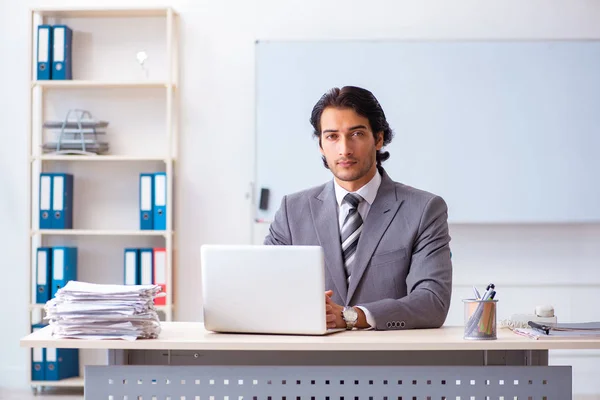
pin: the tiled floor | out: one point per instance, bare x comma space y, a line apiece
47, 394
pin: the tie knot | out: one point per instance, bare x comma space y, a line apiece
353, 199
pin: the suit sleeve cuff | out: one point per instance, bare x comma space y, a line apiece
369, 316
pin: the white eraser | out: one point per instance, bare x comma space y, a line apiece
544, 311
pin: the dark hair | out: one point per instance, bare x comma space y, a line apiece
363, 103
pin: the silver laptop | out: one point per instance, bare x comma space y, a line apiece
264, 289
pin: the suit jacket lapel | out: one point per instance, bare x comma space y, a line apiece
378, 219
325, 218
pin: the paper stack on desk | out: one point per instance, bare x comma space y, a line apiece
93, 311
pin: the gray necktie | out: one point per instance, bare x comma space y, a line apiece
351, 231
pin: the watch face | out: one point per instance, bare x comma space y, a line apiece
350, 314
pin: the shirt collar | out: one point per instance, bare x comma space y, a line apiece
367, 192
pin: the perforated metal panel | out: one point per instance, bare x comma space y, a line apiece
326, 383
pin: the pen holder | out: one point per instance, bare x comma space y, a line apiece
480, 319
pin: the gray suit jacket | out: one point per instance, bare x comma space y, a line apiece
402, 271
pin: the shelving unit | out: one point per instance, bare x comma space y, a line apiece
98, 84
104, 158
99, 232
85, 83
69, 382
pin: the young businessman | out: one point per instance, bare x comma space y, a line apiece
386, 245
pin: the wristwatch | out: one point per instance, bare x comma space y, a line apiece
350, 316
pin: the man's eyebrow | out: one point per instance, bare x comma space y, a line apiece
349, 129
357, 127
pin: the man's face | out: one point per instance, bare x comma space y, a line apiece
349, 147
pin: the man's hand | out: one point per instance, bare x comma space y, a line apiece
333, 312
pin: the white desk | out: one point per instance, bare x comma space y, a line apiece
188, 362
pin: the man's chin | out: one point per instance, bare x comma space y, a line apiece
346, 177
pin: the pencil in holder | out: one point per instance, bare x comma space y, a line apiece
480, 319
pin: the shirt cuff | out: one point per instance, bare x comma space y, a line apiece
369, 316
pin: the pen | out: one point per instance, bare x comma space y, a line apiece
477, 296
545, 329
490, 288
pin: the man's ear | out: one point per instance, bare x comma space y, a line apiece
379, 140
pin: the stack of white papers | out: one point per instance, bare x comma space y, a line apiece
93, 311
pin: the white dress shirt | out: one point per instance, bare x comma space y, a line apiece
368, 192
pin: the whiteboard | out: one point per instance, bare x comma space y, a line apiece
504, 131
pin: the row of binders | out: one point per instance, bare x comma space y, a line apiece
54, 44
153, 201
146, 267
49, 364
56, 201
55, 267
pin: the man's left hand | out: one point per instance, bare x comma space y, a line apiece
333, 312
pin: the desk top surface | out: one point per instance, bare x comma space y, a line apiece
193, 336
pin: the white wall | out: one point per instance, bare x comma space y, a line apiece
216, 150
13, 195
